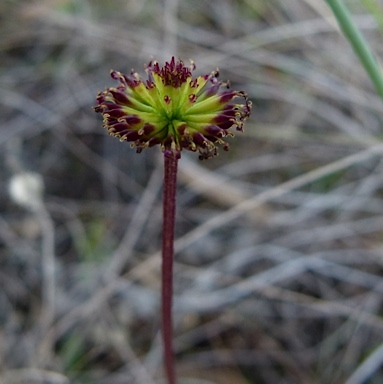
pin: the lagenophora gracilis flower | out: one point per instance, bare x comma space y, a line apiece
173, 109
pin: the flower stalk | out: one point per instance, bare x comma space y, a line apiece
169, 212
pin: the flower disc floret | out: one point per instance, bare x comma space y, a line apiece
172, 109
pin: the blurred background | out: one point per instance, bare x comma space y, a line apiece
279, 258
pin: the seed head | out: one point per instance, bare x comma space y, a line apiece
172, 109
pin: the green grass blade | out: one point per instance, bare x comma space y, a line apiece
358, 43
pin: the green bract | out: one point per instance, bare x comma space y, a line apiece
172, 109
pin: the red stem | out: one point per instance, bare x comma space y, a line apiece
169, 212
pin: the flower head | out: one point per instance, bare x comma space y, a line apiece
172, 109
